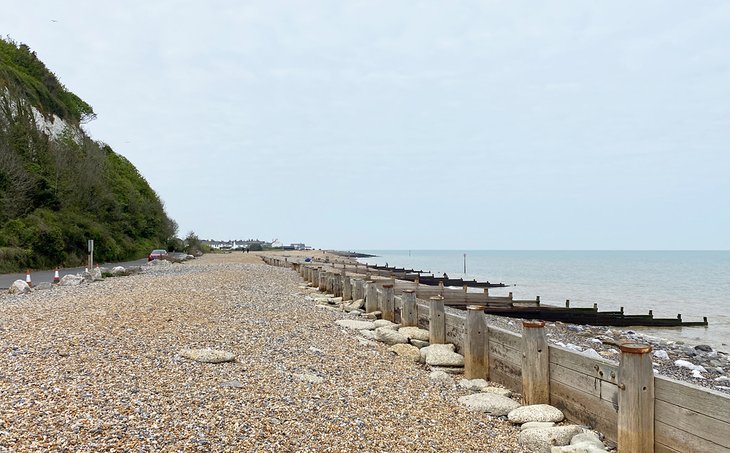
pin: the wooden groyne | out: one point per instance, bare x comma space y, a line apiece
640, 411
456, 293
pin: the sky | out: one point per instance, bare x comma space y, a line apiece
411, 124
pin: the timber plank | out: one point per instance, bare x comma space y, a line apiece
511, 339
598, 368
585, 383
502, 352
684, 441
698, 424
698, 399
584, 408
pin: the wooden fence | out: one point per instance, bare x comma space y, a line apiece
631, 406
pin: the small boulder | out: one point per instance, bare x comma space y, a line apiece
356, 305
355, 325
389, 336
497, 391
536, 425
309, 378
385, 323
43, 286
542, 440
116, 270
418, 343
535, 413
444, 358
19, 287
415, 333
490, 403
434, 347
441, 376
406, 350
71, 280
207, 355
449, 369
474, 385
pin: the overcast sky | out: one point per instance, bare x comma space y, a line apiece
411, 124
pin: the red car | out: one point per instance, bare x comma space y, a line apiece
157, 254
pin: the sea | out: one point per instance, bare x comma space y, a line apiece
691, 283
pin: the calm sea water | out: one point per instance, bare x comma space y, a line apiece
693, 283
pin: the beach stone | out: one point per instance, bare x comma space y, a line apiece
232, 384
389, 336
587, 437
434, 347
385, 323
71, 280
474, 385
542, 440
490, 403
418, 343
116, 270
497, 391
372, 315
356, 305
535, 413
355, 325
703, 347
444, 358
207, 355
449, 369
43, 286
661, 354
441, 376
367, 334
365, 341
536, 425
309, 378
415, 333
406, 350
19, 287
159, 263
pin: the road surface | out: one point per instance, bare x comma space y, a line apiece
47, 276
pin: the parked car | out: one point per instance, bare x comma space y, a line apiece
157, 254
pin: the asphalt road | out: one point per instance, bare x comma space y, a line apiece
47, 276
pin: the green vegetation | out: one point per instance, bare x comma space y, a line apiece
57, 192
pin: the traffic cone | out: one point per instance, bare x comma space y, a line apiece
56, 277
27, 278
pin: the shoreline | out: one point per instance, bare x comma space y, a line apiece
600, 341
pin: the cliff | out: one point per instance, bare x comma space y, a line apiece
58, 187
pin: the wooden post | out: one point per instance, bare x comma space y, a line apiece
409, 315
476, 344
371, 297
636, 399
388, 306
437, 321
322, 280
357, 291
346, 286
486, 292
535, 363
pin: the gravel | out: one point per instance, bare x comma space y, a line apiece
97, 367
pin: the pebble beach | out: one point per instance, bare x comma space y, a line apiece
101, 367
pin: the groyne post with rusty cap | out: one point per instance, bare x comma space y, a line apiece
436, 321
409, 315
476, 344
388, 304
371, 297
535, 363
636, 399
346, 286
